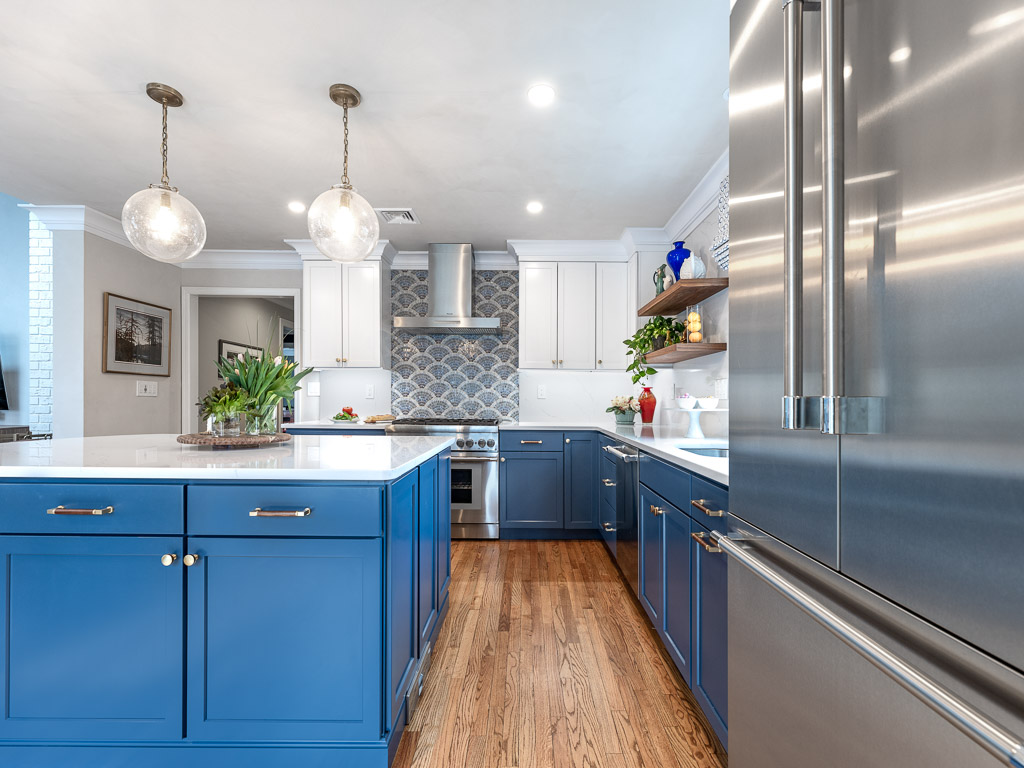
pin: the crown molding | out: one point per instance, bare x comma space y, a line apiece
231, 259
635, 239
382, 251
481, 260
568, 250
79, 218
701, 201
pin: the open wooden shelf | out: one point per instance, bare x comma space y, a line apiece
682, 294
677, 353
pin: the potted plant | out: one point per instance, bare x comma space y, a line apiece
653, 335
624, 408
222, 408
268, 379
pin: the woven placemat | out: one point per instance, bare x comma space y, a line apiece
238, 441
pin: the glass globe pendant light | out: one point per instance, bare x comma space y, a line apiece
342, 224
159, 222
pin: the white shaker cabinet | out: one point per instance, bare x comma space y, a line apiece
538, 315
576, 315
613, 315
342, 311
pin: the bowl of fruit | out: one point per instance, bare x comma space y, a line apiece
345, 416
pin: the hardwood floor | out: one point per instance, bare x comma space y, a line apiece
545, 659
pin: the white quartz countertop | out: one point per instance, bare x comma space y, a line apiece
331, 424
161, 457
663, 441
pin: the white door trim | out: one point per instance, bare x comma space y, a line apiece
190, 341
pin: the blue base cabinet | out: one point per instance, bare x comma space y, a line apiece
581, 486
710, 683
219, 636
652, 555
530, 489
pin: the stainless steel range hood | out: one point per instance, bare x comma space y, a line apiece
449, 294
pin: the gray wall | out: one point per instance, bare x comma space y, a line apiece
14, 309
111, 407
242, 319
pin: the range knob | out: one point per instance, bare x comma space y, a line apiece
481, 442
461, 443
490, 443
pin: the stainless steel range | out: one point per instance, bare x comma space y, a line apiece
474, 471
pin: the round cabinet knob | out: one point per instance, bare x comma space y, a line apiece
168, 559
567, 440
344, 359
190, 560
600, 361
502, 459
554, 362
559, 362
337, 359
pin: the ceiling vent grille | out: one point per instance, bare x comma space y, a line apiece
397, 215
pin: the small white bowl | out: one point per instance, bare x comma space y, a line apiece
687, 403
707, 403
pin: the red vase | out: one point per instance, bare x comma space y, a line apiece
647, 403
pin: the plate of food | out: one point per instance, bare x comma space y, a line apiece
345, 416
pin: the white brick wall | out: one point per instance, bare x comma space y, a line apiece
40, 325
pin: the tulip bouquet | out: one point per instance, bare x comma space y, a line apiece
268, 379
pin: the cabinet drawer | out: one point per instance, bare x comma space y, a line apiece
227, 510
92, 509
671, 483
531, 441
712, 499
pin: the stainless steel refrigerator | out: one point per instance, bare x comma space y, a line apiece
876, 545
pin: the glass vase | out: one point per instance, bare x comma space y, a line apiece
227, 426
647, 404
696, 324
262, 422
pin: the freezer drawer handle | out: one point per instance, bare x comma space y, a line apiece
279, 512
618, 451
1000, 742
699, 504
702, 538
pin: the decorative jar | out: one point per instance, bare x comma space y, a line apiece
677, 257
696, 324
647, 404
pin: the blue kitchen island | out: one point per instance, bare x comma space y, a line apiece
168, 604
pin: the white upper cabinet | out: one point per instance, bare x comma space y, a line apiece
538, 315
573, 315
613, 325
344, 325
576, 314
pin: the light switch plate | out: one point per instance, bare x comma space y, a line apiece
369, 391
146, 389
542, 392
313, 389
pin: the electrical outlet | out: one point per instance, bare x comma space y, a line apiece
369, 391
313, 389
542, 392
146, 389
722, 389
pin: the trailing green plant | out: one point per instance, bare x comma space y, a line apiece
224, 402
268, 379
643, 341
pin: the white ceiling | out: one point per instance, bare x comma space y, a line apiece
445, 126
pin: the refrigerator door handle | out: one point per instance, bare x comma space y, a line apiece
840, 415
994, 738
798, 411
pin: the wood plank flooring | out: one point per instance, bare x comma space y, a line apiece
545, 659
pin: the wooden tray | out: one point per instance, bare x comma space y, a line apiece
239, 441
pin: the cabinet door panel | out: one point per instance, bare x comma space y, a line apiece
530, 486
401, 559
284, 639
576, 312
361, 315
321, 309
444, 527
580, 480
538, 315
710, 634
652, 555
426, 536
676, 633
612, 312
91, 638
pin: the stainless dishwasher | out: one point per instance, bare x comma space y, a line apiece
620, 530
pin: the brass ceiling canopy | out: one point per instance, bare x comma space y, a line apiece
164, 94
343, 95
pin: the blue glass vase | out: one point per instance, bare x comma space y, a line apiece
676, 257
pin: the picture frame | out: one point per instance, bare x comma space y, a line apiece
136, 337
233, 349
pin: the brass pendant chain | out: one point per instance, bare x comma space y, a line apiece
163, 150
345, 183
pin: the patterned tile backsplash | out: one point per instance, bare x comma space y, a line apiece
443, 374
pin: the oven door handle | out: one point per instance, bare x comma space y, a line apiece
474, 459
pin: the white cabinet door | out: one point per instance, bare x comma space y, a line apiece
576, 312
538, 315
361, 315
612, 316
321, 314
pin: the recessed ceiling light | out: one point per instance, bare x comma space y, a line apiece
541, 95
534, 206
295, 206
900, 54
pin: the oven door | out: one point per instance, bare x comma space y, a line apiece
474, 497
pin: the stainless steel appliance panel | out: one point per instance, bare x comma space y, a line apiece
474, 494
933, 509
627, 529
782, 481
799, 696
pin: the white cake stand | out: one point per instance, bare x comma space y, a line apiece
695, 432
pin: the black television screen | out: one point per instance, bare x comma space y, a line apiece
3, 389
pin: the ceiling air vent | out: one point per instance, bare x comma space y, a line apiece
397, 215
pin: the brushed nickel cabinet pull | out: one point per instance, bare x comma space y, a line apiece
657, 510
62, 510
279, 512
608, 527
699, 504
708, 546
532, 442
607, 482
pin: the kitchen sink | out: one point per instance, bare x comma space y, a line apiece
721, 453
